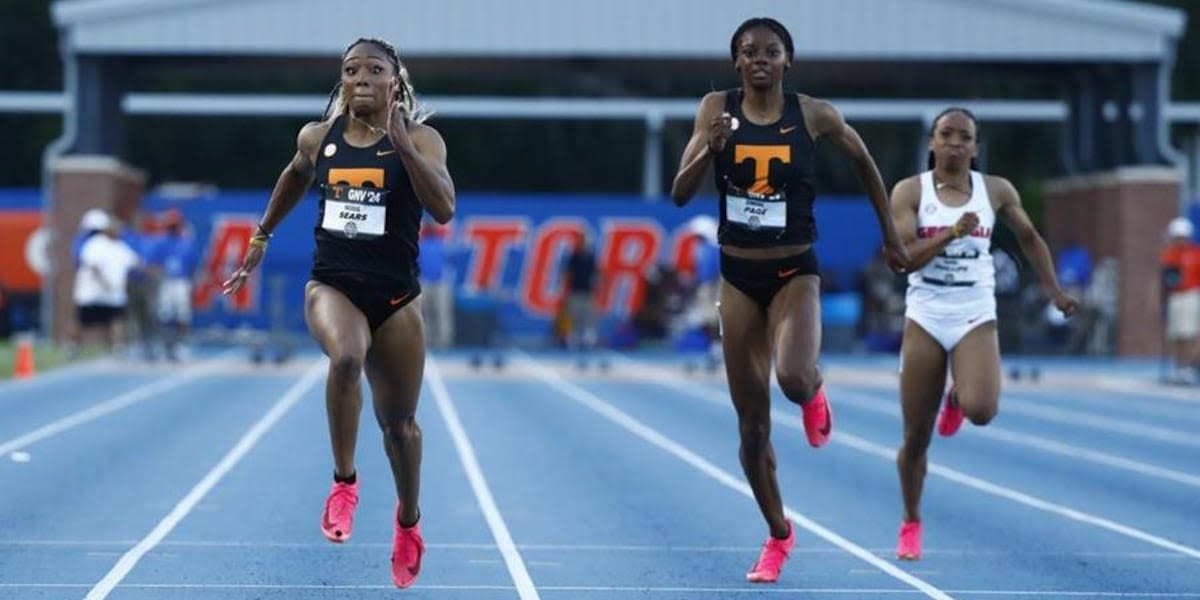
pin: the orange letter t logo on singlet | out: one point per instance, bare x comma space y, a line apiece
369, 177
762, 155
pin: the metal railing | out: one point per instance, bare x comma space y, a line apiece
653, 112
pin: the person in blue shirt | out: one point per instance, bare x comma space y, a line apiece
707, 256
1074, 266
175, 255
437, 281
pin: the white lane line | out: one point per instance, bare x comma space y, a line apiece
616, 415
841, 436
372, 547
1107, 402
1080, 418
628, 589
483, 494
1077, 418
138, 394
873, 404
1148, 388
1095, 456
1020, 497
127, 562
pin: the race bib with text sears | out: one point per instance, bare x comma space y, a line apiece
354, 212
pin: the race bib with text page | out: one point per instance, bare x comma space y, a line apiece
756, 212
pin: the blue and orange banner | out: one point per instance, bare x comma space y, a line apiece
508, 248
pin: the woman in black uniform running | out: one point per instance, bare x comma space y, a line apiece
376, 167
760, 141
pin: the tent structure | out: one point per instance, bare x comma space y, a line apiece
1116, 55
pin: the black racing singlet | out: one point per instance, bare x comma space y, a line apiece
369, 216
764, 178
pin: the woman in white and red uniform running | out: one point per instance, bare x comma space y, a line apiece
945, 217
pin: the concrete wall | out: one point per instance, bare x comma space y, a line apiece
1121, 214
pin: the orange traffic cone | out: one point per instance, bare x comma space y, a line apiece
23, 365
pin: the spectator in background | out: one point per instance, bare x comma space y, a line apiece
141, 283
437, 285
1074, 265
883, 306
665, 300
100, 284
1008, 299
143, 286
580, 273
707, 256
174, 254
93, 221
1102, 302
1180, 262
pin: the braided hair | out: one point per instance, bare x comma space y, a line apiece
412, 108
769, 23
964, 112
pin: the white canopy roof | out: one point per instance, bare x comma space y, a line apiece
922, 30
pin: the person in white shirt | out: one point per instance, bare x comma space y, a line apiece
945, 218
99, 291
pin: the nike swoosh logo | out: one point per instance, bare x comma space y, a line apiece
384, 152
785, 273
399, 299
787, 130
328, 525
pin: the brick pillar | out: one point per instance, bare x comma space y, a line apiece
1121, 214
82, 183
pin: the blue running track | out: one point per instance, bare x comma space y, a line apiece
544, 480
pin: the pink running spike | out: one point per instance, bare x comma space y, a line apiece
951, 417
338, 517
770, 560
407, 549
908, 547
818, 419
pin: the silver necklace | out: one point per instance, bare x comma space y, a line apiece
946, 184
374, 129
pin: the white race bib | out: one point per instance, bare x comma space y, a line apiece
954, 265
756, 213
355, 212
